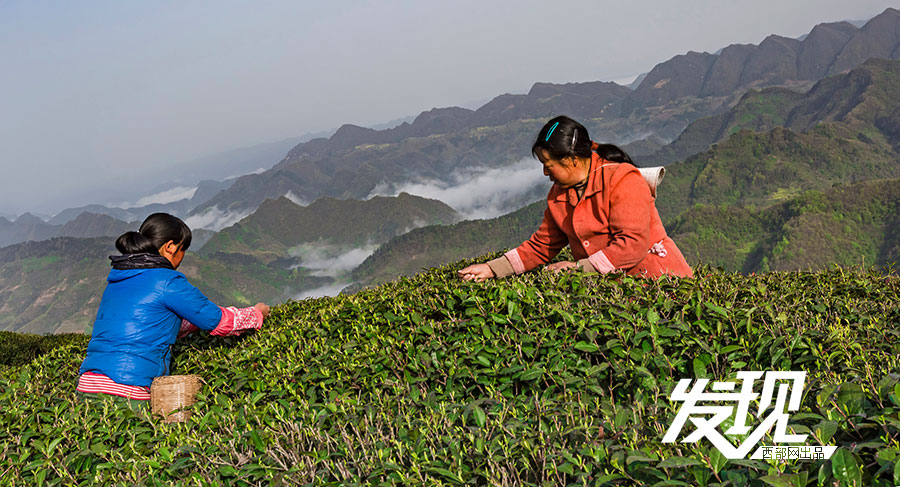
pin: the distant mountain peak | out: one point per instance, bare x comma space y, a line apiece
780, 38
28, 217
441, 120
86, 216
281, 203
841, 26
351, 130
877, 38
89, 224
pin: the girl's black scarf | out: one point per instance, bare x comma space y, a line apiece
139, 261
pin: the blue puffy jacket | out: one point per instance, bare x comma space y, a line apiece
138, 321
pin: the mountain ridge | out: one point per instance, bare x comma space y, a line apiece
757, 178
844, 225
55, 285
280, 224
676, 92
763, 110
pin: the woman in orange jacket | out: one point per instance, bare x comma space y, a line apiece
603, 210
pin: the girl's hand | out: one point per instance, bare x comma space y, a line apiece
263, 308
477, 273
561, 266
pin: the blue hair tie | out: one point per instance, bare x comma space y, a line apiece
550, 132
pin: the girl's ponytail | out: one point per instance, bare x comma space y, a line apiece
135, 243
156, 230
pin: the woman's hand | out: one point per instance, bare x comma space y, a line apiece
263, 308
477, 273
561, 266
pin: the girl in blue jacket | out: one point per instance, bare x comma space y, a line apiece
147, 304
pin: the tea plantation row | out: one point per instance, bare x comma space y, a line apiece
21, 348
540, 379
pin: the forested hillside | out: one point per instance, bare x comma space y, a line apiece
55, 286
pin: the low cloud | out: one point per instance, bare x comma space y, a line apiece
626, 80
163, 197
637, 136
332, 289
215, 219
416, 223
481, 192
330, 260
296, 199
259, 170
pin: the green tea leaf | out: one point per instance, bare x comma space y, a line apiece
845, 469
532, 374
699, 369
257, 441
825, 430
717, 461
480, 416
40, 476
678, 462
778, 480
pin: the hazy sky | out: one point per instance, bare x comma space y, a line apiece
97, 92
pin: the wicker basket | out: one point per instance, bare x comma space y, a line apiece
172, 393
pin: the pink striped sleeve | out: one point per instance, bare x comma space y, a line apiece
601, 263
186, 328
515, 260
238, 320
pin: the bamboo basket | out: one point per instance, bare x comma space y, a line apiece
172, 395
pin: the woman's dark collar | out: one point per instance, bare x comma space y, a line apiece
139, 261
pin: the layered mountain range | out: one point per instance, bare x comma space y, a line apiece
781, 181
204, 190
355, 161
29, 227
55, 285
842, 131
279, 226
770, 166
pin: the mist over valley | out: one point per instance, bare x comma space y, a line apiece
360, 206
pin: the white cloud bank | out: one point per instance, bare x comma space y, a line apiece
329, 260
163, 197
215, 219
479, 192
332, 289
258, 170
296, 199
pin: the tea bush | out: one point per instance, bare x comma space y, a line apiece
539, 379
21, 348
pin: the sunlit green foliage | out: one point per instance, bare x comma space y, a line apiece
21, 348
535, 380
